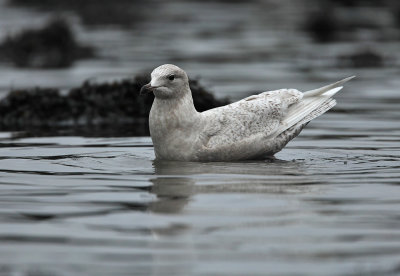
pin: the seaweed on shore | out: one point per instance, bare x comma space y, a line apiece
53, 46
112, 106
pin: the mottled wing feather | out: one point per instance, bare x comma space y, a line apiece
254, 115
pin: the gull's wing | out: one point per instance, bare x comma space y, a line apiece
314, 103
257, 115
262, 123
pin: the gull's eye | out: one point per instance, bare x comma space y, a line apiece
171, 77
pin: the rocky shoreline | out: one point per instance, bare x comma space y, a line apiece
106, 107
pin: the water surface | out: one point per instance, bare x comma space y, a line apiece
327, 205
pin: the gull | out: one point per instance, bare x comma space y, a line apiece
255, 127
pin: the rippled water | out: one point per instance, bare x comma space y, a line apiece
327, 205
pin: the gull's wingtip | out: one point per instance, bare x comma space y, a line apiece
344, 80
350, 78
322, 90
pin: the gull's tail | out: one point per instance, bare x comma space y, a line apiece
314, 103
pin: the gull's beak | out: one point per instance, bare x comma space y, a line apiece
147, 88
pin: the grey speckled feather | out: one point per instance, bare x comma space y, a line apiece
253, 128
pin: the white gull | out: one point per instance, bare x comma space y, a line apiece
252, 128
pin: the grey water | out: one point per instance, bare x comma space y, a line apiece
328, 204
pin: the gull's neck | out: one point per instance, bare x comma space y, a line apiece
176, 111
181, 107
174, 125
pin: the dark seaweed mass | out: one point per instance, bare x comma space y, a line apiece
92, 106
53, 46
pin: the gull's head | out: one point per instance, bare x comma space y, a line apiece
168, 81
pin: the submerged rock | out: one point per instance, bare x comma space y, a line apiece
363, 59
109, 105
53, 46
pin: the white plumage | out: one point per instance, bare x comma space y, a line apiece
253, 128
